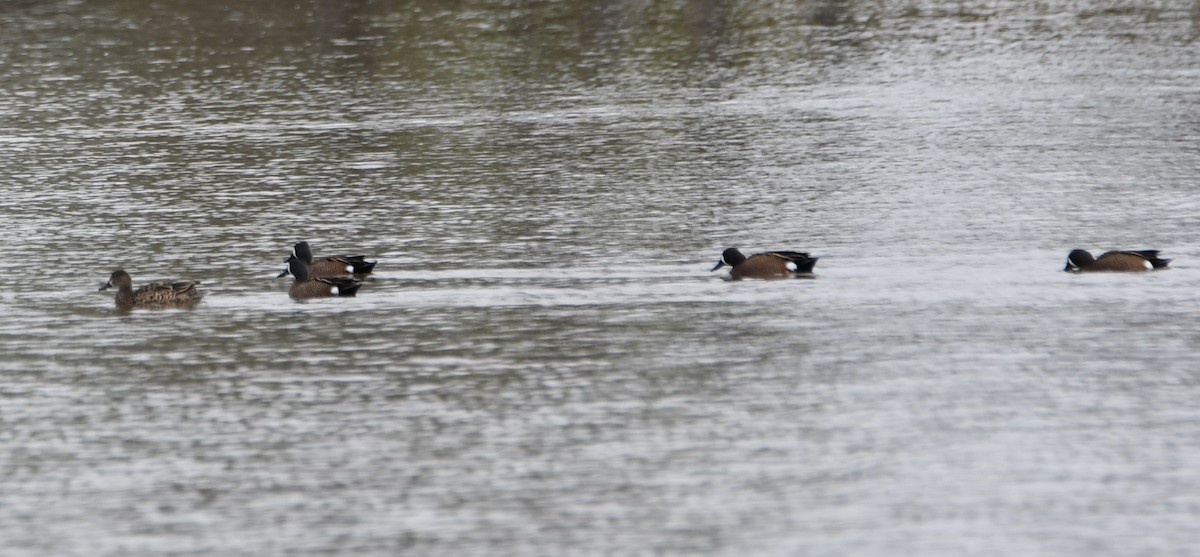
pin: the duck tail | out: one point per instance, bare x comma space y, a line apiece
1151, 255
806, 266
346, 287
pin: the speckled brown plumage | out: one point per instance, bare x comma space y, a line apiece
1079, 261
305, 286
772, 264
332, 266
339, 265
162, 294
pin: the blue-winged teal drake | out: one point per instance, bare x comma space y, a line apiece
305, 286
769, 264
162, 294
332, 266
1127, 261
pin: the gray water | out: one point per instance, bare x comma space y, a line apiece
542, 363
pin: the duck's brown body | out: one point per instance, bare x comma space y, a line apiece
305, 286
1080, 261
340, 265
332, 266
771, 264
162, 294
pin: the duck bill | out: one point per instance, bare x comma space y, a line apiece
717, 266
106, 286
283, 273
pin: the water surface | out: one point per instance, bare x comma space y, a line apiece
542, 363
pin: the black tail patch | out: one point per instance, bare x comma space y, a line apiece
347, 287
804, 263
1151, 255
806, 266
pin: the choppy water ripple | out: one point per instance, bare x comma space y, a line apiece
542, 362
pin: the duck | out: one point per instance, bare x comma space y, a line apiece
305, 286
1079, 261
161, 294
770, 264
332, 266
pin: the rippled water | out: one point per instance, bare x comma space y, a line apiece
542, 363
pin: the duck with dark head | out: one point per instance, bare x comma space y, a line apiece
770, 264
306, 286
1080, 261
331, 266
